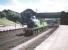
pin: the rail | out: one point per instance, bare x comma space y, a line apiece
33, 41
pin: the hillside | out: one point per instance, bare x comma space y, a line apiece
4, 21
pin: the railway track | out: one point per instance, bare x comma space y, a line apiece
9, 40
31, 44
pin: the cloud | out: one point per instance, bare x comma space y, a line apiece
53, 5
40, 5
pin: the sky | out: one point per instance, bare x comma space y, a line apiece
36, 5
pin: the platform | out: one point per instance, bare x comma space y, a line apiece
57, 41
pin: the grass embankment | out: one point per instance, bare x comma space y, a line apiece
4, 21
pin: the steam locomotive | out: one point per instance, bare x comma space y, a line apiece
28, 17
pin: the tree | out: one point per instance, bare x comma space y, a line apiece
64, 18
11, 15
2, 14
